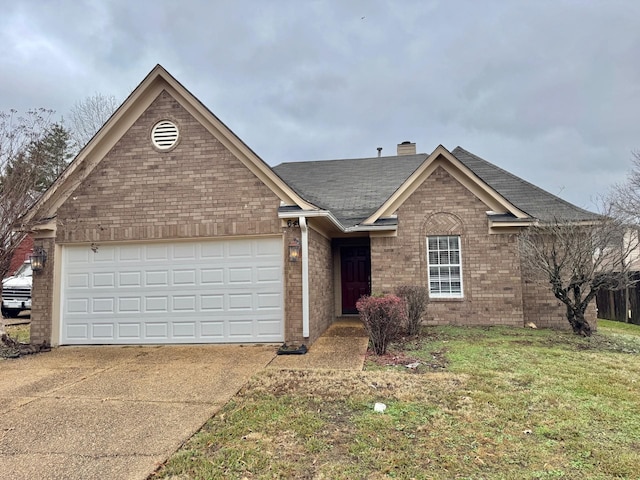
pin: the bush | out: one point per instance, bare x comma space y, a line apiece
416, 299
383, 318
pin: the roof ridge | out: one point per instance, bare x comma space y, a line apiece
330, 160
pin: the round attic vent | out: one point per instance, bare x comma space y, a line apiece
164, 135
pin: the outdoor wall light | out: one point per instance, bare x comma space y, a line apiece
38, 258
294, 250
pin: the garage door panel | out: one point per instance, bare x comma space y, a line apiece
104, 280
156, 330
156, 252
211, 276
78, 332
188, 292
130, 279
184, 277
129, 305
130, 253
103, 255
156, 278
102, 331
212, 330
103, 305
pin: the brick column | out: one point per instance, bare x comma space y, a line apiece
42, 295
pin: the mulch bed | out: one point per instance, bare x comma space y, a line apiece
9, 348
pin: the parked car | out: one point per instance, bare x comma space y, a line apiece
16, 292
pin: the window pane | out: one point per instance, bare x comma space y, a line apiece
454, 272
443, 258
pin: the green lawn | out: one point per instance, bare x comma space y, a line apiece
486, 403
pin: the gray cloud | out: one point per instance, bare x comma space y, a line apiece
548, 90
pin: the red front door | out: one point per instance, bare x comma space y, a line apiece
356, 276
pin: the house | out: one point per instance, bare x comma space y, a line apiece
21, 254
167, 228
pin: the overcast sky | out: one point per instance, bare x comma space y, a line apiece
549, 90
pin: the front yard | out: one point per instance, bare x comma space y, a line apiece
484, 403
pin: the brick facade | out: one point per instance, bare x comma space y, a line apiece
321, 289
42, 295
492, 282
198, 189
292, 291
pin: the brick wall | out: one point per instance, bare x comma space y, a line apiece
321, 304
198, 189
293, 291
490, 262
321, 298
42, 295
21, 254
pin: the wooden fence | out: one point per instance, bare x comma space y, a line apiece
620, 305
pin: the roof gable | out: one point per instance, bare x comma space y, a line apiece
441, 157
124, 117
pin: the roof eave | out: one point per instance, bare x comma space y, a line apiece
287, 212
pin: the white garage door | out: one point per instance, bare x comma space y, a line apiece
184, 292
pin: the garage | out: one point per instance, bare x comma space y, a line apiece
213, 291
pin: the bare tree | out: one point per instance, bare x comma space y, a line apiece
89, 115
578, 259
625, 197
19, 173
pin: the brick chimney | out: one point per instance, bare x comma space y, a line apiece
406, 148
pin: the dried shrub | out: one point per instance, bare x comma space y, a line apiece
383, 318
416, 299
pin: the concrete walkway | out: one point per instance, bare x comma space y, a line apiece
342, 347
113, 412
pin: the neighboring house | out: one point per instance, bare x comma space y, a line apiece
623, 304
21, 254
167, 228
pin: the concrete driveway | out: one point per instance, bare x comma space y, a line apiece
113, 412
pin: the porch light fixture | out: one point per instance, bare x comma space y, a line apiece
38, 258
294, 250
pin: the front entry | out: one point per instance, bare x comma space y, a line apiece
355, 275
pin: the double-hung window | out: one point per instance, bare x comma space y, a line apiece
445, 267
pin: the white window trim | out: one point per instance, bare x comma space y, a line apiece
445, 295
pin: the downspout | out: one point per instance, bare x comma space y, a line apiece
305, 276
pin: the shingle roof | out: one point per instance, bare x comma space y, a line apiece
353, 189
532, 200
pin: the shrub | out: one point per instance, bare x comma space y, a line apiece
416, 299
383, 318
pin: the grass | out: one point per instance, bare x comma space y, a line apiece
485, 403
20, 333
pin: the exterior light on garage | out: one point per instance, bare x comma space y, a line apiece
38, 258
294, 250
